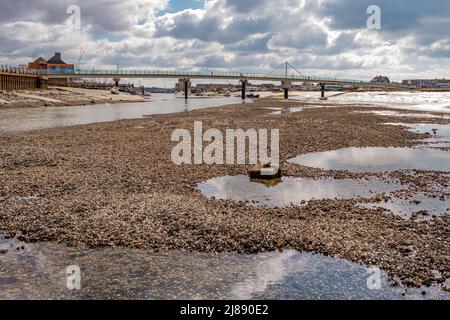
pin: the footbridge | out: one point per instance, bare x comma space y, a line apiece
185, 76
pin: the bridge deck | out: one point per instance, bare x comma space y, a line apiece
207, 75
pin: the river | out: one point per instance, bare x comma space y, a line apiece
22, 119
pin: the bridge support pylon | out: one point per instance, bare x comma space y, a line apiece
322, 92
286, 85
116, 81
243, 88
185, 84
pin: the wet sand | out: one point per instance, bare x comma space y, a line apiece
114, 185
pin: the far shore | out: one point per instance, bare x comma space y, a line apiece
62, 96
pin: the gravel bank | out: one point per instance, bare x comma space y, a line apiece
113, 184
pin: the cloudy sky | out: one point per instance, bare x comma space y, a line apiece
319, 37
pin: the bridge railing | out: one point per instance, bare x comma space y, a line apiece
205, 74
18, 70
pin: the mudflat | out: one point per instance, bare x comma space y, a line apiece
115, 185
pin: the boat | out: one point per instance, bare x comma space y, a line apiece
265, 172
147, 94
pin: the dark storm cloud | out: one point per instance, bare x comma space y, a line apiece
105, 16
258, 44
187, 25
245, 6
397, 14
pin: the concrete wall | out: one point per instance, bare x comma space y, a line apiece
11, 81
63, 82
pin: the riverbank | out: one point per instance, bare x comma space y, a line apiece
114, 185
62, 96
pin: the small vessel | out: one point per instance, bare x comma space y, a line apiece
147, 94
115, 90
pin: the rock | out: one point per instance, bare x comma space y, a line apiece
3, 251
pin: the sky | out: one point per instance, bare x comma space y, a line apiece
318, 37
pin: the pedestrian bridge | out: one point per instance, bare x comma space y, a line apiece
185, 76
95, 73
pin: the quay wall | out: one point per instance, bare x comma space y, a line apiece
17, 81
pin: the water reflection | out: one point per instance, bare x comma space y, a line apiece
376, 159
38, 272
388, 113
418, 205
49, 117
287, 111
292, 190
436, 130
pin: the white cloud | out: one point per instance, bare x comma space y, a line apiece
327, 37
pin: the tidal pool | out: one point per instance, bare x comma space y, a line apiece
292, 190
414, 204
440, 134
377, 159
389, 113
39, 271
435, 130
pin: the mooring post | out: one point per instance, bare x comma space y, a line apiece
286, 93
322, 90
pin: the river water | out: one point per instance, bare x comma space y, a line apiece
17, 119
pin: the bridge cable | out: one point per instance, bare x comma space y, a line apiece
277, 68
290, 65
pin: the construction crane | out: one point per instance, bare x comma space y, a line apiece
79, 58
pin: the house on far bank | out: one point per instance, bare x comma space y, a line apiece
381, 79
55, 63
38, 64
428, 83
